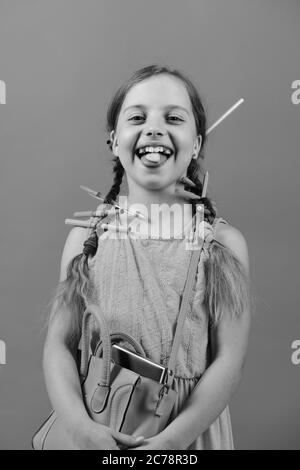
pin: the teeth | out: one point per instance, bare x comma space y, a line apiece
154, 150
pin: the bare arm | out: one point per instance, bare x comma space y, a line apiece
220, 380
62, 378
60, 369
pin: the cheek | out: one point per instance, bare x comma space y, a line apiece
185, 150
126, 161
127, 138
183, 164
126, 143
185, 141
183, 158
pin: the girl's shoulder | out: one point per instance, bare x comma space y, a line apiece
73, 246
232, 238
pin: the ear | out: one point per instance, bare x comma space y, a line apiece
197, 145
114, 143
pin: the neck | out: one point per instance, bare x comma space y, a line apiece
166, 215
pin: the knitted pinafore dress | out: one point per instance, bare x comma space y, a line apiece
138, 283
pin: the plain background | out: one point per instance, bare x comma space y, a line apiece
62, 61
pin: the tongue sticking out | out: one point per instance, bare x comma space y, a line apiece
153, 159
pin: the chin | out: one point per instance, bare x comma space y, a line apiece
153, 185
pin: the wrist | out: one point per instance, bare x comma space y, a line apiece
169, 441
77, 424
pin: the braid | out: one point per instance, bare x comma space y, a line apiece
78, 268
193, 173
71, 295
115, 189
227, 287
91, 245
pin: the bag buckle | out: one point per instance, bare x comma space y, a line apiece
159, 411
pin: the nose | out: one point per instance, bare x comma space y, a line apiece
154, 132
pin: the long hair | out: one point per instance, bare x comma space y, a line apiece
226, 282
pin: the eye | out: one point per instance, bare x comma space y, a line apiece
138, 117
176, 118
133, 118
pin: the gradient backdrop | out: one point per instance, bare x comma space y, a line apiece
61, 62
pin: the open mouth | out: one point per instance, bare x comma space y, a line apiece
154, 156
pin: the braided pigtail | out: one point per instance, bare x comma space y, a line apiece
72, 294
194, 174
227, 288
115, 189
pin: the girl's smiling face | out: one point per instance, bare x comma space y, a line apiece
159, 111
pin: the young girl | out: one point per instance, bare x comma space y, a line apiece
138, 279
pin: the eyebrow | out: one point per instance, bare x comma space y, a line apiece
170, 106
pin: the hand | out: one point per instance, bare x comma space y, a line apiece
180, 191
154, 443
93, 436
210, 208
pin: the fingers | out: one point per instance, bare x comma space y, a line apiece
187, 182
186, 194
210, 208
125, 439
180, 191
